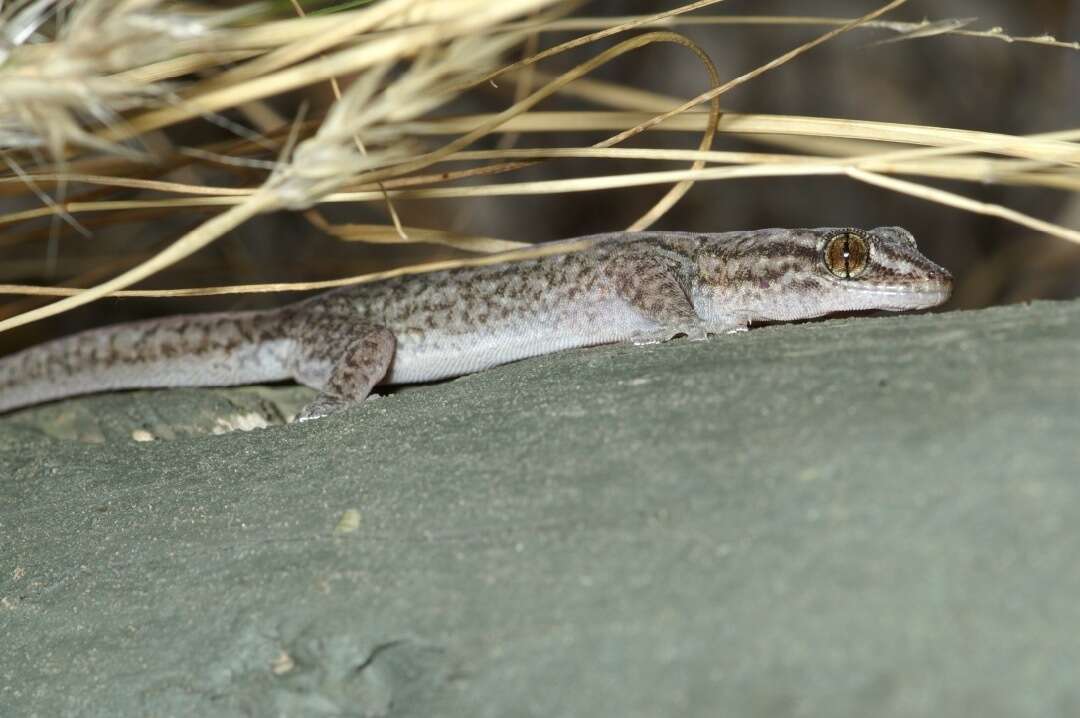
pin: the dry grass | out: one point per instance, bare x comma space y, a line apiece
91, 90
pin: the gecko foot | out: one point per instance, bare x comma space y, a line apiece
693, 332
324, 405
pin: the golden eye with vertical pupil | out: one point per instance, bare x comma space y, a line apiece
847, 255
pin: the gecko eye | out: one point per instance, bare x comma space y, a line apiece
846, 255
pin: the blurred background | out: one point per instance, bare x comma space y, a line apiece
951, 80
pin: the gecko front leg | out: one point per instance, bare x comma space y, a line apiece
651, 286
343, 359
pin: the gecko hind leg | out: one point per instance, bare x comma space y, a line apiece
343, 366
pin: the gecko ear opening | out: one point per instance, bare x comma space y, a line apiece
847, 254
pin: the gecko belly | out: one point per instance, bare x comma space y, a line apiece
439, 355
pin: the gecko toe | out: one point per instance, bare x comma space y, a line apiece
324, 405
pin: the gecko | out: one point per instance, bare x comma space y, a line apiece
639, 287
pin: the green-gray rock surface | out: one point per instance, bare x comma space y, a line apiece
849, 518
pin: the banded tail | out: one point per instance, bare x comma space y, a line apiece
221, 349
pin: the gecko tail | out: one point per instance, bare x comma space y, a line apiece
221, 349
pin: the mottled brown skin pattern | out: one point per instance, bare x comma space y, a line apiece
637, 287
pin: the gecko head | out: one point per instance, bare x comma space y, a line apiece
791, 274
878, 269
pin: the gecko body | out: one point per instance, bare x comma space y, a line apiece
622, 287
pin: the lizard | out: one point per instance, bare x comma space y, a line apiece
639, 287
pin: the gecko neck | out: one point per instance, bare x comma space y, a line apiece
755, 280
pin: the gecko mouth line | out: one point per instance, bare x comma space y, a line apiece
903, 292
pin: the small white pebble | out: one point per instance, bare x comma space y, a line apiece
348, 523
282, 663
240, 422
